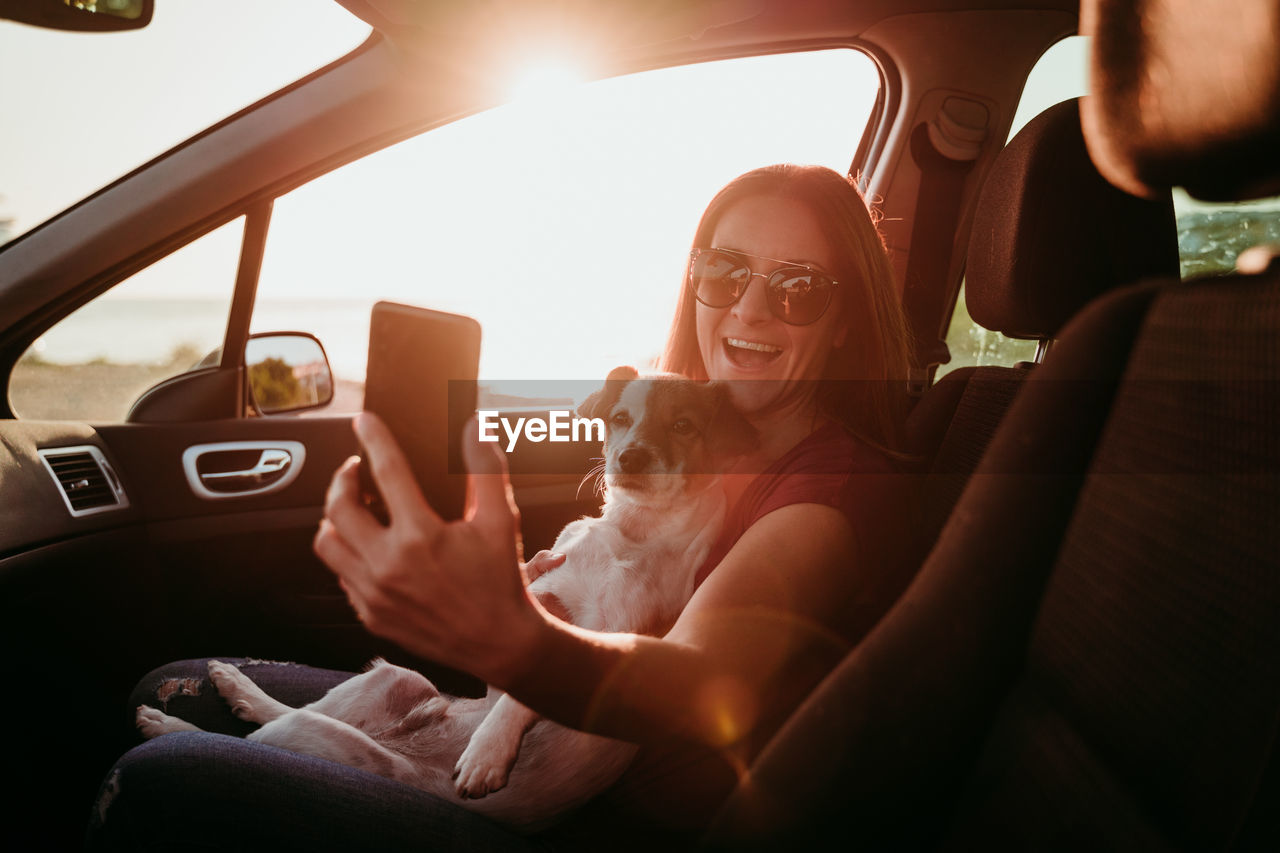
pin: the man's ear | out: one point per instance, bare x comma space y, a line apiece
729, 433
598, 404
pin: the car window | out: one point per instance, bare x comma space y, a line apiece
561, 221
1060, 74
1212, 236
82, 109
160, 322
972, 345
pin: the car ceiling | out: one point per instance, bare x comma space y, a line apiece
629, 23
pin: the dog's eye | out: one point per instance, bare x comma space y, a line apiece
683, 426
620, 419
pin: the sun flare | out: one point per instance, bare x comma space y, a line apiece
545, 80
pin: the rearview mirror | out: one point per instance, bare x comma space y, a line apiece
287, 372
80, 15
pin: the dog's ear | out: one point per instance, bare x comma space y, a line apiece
598, 404
729, 433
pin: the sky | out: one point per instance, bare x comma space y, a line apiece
81, 109
101, 105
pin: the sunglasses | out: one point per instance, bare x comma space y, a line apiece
796, 294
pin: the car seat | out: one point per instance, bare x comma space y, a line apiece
1049, 234
1090, 657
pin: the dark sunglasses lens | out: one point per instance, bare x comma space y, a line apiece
799, 296
717, 279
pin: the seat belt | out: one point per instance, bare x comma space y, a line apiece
945, 149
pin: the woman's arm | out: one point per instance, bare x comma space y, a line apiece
452, 592
761, 614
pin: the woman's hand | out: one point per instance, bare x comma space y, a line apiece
448, 591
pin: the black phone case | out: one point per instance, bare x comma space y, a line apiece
421, 380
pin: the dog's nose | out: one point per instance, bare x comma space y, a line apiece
633, 460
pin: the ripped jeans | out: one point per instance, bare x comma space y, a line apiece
211, 790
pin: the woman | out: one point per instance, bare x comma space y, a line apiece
816, 357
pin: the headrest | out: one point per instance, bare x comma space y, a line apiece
1188, 94
1050, 233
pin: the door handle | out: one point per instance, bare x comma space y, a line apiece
278, 464
271, 464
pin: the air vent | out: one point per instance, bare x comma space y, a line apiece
85, 479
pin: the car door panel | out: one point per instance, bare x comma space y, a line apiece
151, 462
239, 568
212, 552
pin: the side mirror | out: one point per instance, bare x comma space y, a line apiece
78, 15
287, 372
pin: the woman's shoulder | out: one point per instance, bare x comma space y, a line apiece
822, 468
831, 450
830, 467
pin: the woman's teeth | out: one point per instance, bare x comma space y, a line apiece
750, 354
752, 345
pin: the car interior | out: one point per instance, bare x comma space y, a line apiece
1088, 656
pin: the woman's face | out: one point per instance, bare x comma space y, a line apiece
745, 341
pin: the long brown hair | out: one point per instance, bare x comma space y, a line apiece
864, 383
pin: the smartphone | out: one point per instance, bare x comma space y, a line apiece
421, 381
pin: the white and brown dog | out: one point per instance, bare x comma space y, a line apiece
629, 570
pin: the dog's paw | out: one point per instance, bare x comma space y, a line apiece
153, 722
236, 688
477, 775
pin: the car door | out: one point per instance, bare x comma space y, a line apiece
113, 559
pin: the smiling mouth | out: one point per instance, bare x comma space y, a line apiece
749, 354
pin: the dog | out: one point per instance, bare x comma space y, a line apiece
631, 569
